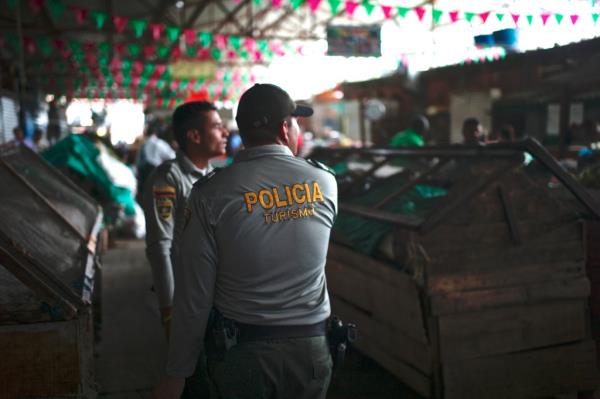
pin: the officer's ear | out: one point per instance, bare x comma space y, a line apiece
193, 136
284, 128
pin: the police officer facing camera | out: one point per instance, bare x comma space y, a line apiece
253, 249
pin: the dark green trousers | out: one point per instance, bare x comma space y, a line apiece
298, 368
197, 386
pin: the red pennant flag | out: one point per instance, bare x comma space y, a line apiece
574, 18
231, 54
29, 44
120, 23
387, 11
314, 4
220, 41
453, 16
515, 18
545, 17
137, 67
119, 48
156, 30
176, 53
171, 103
159, 69
148, 51
484, 16
420, 12
351, 7
35, 6
276, 3
81, 14
190, 36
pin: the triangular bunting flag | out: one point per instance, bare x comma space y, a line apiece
138, 26
276, 3
529, 19
437, 15
574, 18
420, 11
469, 16
545, 17
156, 30
484, 16
296, 3
515, 18
351, 7
368, 7
334, 5
500, 16
453, 16
402, 11
314, 4
595, 17
120, 23
173, 33
99, 18
387, 11
559, 18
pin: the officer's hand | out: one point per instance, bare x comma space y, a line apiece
169, 388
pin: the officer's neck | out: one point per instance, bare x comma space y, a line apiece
199, 160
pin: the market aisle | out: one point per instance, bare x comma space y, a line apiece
131, 352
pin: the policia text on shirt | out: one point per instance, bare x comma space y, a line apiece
286, 196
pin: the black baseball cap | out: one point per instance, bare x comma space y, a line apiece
264, 104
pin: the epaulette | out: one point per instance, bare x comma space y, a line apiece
320, 165
207, 176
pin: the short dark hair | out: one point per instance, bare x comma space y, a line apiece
185, 118
470, 125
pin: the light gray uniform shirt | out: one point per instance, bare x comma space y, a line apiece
254, 245
164, 199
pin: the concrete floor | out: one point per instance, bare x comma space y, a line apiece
130, 355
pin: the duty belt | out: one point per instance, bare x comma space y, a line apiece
252, 332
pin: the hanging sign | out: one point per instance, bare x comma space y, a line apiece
193, 69
354, 41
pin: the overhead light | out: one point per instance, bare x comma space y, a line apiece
179, 4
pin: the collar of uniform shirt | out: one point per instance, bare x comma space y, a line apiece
261, 151
188, 167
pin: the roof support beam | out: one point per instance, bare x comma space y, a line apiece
230, 16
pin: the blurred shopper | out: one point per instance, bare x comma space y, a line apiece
253, 254
414, 136
201, 136
507, 134
151, 153
472, 132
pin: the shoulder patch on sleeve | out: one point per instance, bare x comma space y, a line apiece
320, 165
207, 177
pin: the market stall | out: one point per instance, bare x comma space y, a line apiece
464, 268
49, 269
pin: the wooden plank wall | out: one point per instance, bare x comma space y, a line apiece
51, 359
386, 306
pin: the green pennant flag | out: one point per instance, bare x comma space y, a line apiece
148, 70
244, 55
235, 42
105, 72
198, 84
183, 84
500, 16
138, 26
143, 82
529, 19
104, 48
126, 66
103, 60
12, 40
160, 84
296, 3
43, 43
469, 16
56, 7
437, 15
75, 46
245, 78
126, 79
402, 11
595, 17
99, 18
110, 81
211, 90
173, 33
227, 77
257, 2
368, 7
163, 51
191, 51
263, 45
559, 18
134, 49
205, 38
334, 5
215, 53
12, 4
165, 102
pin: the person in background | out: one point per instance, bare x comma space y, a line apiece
506, 134
253, 254
153, 152
201, 136
414, 136
472, 132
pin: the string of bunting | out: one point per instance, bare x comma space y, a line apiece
172, 33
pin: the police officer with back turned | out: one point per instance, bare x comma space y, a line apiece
252, 254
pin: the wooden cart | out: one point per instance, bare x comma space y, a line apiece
478, 290
48, 265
